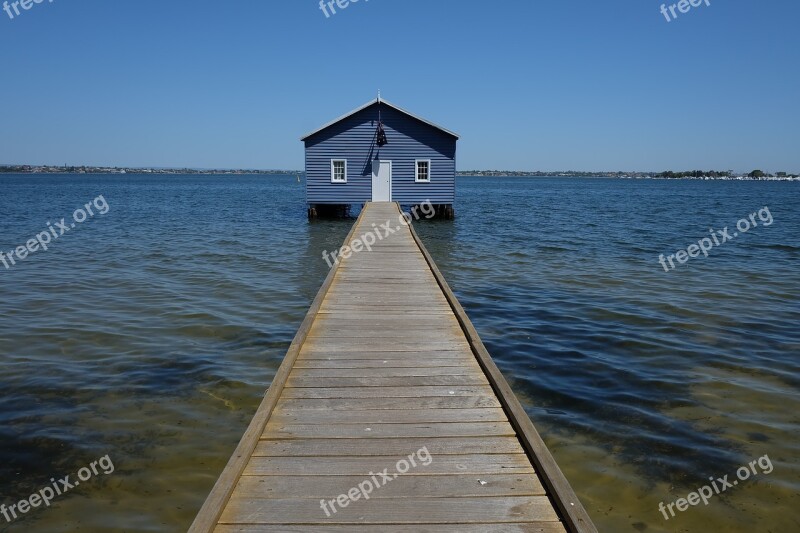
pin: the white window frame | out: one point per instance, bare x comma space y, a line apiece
416, 170
333, 171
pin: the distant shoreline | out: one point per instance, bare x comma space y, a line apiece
32, 169
623, 175
669, 175
70, 170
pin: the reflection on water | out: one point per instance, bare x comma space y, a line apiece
150, 334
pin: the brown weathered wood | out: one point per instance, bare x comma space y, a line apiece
387, 392
474, 464
366, 336
379, 431
427, 334
388, 372
420, 362
386, 364
396, 511
368, 447
397, 344
284, 415
456, 486
411, 381
360, 404
530, 527
380, 355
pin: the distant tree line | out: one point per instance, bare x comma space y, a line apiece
14, 168
719, 174
695, 174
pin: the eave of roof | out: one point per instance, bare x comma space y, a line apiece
373, 102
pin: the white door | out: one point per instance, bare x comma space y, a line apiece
381, 181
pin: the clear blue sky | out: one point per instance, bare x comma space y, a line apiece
529, 84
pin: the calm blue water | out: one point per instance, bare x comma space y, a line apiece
150, 333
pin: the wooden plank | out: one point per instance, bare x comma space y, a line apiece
413, 381
422, 486
386, 392
320, 353
424, 322
387, 372
406, 320
385, 297
380, 431
396, 345
378, 290
397, 295
382, 307
428, 301
360, 404
385, 278
368, 447
394, 312
363, 334
394, 511
377, 325
399, 348
476, 464
530, 527
384, 416
418, 362
394, 264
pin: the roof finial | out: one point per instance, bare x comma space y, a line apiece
379, 95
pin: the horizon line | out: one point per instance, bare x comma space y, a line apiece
296, 171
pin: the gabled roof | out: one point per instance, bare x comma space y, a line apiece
384, 102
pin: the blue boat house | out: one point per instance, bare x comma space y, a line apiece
380, 153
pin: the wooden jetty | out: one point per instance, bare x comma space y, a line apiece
387, 363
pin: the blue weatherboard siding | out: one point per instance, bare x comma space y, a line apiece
353, 138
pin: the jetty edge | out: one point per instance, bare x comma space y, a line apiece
343, 405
